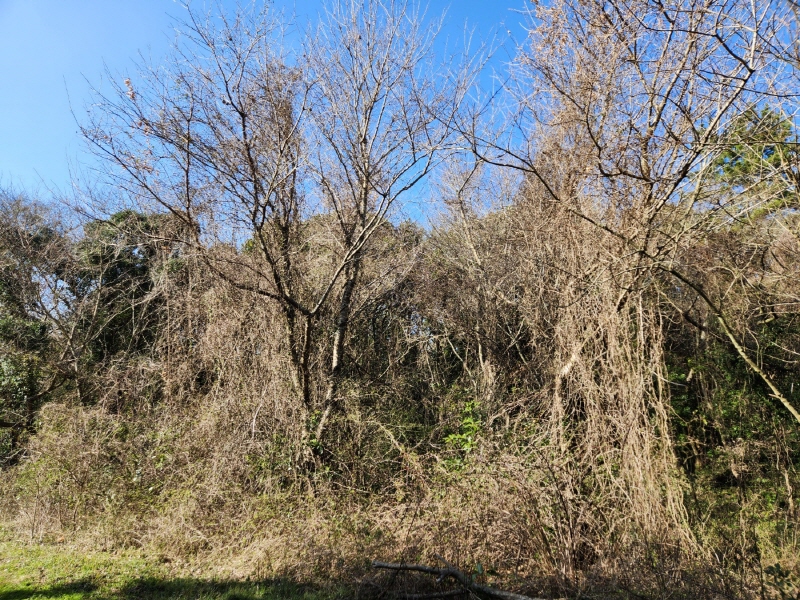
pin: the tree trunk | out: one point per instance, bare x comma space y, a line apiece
299, 349
337, 351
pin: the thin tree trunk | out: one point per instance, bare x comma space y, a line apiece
299, 350
342, 321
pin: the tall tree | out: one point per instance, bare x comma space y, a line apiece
643, 96
297, 158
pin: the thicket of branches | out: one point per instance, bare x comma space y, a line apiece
582, 376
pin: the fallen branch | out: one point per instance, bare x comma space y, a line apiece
452, 573
435, 595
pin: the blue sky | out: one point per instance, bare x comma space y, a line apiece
51, 51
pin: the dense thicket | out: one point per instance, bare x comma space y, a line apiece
582, 376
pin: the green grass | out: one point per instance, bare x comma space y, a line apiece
61, 573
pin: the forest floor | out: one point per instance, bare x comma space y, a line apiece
61, 572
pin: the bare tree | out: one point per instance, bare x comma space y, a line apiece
282, 165
381, 117
620, 112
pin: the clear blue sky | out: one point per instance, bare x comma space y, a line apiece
52, 50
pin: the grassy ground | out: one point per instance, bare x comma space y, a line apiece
62, 573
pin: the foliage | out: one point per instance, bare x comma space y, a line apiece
120, 259
758, 148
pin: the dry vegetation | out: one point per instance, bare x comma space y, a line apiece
581, 380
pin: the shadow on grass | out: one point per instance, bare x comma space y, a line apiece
81, 586
187, 589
